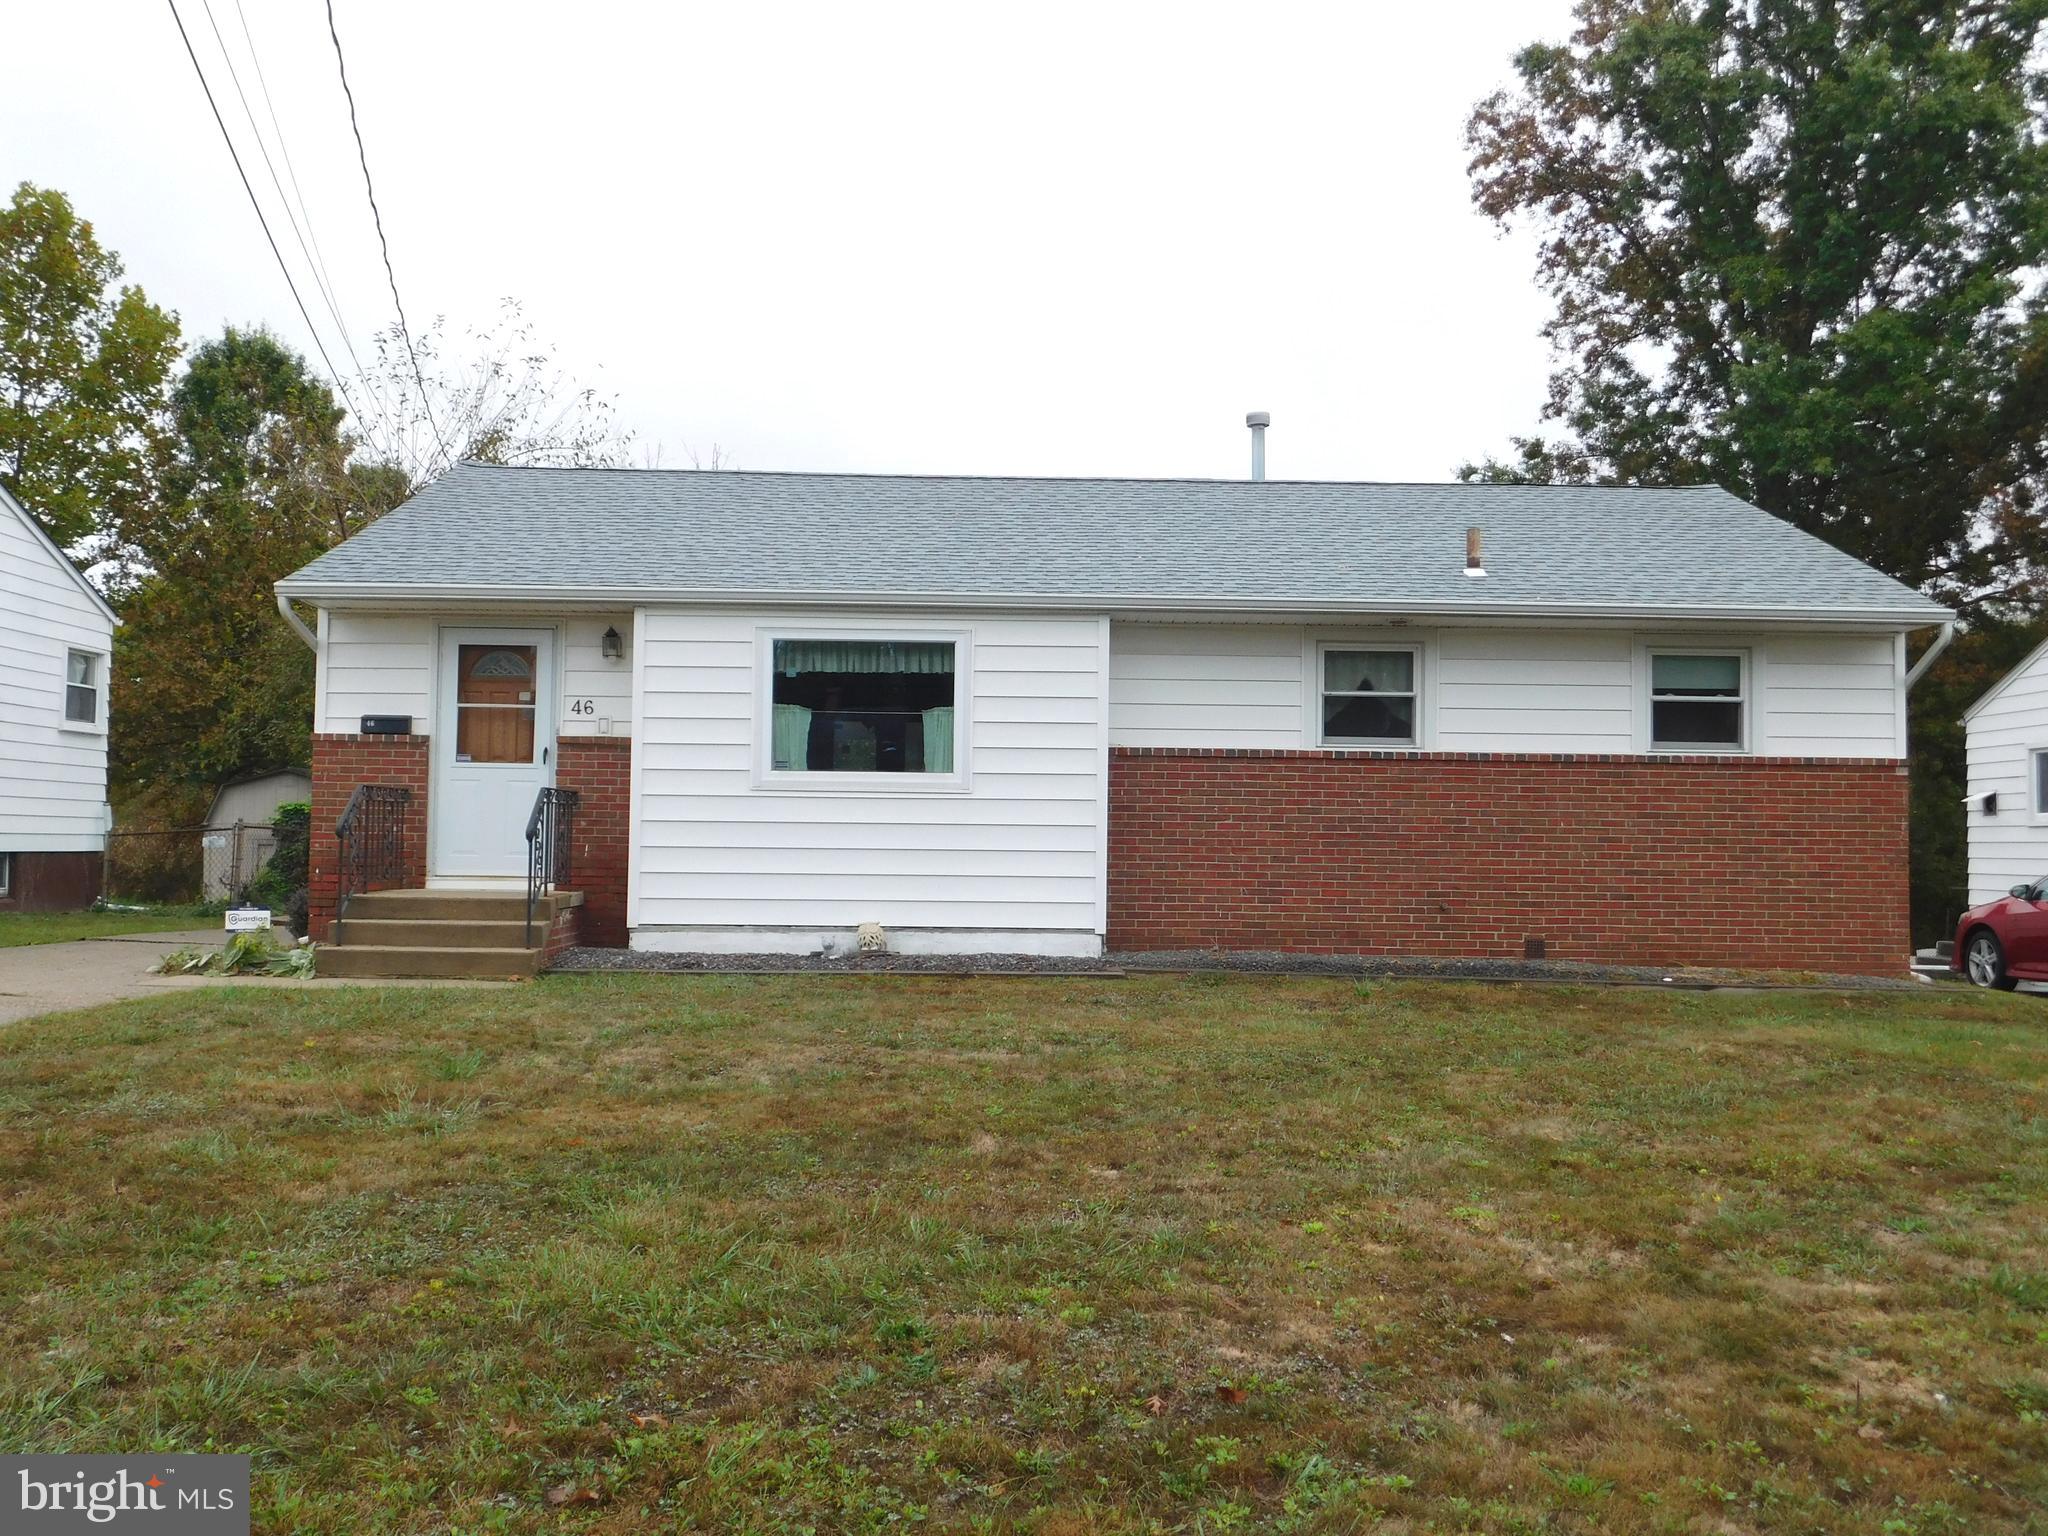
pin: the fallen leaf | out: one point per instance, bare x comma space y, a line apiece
1232, 1394
569, 1493
1155, 1405
651, 1420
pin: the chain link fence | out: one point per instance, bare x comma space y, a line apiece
188, 865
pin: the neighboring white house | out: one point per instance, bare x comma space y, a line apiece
1058, 715
56, 647
2006, 736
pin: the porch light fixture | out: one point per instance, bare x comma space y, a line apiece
612, 646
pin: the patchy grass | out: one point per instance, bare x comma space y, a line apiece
625, 1253
18, 928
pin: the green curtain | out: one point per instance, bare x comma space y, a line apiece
795, 656
792, 736
1708, 675
938, 739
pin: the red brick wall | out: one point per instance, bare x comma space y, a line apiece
565, 931
340, 763
1795, 863
600, 768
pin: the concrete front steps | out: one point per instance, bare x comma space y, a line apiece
439, 933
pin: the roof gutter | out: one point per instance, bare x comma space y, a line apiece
329, 593
284, 606
1927, 659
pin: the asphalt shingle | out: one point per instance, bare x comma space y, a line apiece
1194, 543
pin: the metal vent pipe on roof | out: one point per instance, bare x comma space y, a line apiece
1258, 421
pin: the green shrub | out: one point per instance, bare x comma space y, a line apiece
278, 883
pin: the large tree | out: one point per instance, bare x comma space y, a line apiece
1795, 248
257, 480
83, 365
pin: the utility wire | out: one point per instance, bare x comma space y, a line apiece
285, 149
227, 138
305, 214
363, 155
319, 277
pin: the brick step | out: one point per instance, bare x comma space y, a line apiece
441, 933
380, 960
455, 906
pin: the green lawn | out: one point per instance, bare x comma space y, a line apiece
618, 1254
18, 928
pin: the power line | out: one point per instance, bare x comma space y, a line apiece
363, 155
269, 106
319, 275
319, 256
227, 138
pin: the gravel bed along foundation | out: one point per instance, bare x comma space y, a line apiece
1247, 962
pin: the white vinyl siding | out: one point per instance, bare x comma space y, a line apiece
2011, 847
587, 674
53, 773
383, 664
1534, 690
1497, 689
1020, 849
376, 664
1196, 685
1827, 696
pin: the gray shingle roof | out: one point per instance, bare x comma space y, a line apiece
1118, 544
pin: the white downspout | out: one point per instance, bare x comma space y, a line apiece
284, 606
1927, 659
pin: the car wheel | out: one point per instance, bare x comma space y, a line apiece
1984, 961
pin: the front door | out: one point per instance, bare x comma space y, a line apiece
494, 748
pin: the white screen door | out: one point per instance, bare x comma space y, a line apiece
494, 747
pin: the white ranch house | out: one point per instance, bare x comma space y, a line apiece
759, 711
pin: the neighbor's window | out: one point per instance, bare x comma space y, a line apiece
1368, 696
2041, 783
6, 875
1695, 701
863, 706
82, 688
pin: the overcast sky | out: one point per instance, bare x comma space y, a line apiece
1041, 239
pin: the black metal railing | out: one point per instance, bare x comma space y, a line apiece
550, 847
371, 833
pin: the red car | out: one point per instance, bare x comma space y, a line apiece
2005, 942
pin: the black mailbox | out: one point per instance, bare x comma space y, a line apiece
387, 725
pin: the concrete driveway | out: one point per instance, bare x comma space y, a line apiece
52, 978
44, 978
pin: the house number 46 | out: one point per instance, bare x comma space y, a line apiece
583, 709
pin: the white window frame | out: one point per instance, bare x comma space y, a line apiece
101, 683
6, 876
812, 782
1744, 700
1317, 694
2037, 803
